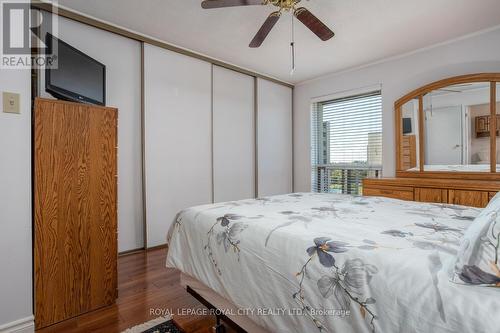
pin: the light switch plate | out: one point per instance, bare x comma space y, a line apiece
11, 102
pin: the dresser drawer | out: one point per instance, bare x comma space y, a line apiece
438, 195
405, 159
468, 198
403, 193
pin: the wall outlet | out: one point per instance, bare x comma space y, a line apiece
11, 102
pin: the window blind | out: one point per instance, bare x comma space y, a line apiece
346, 137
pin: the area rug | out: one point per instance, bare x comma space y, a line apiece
158, 325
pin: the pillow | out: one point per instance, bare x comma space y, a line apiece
478, 259
484, 155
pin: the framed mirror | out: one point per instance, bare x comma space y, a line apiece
450, 129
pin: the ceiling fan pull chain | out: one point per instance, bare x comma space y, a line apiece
292, 48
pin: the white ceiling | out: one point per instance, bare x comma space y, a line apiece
366, 30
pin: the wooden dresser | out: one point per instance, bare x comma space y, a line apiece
75, 209
408, 151
436, 164
474, 193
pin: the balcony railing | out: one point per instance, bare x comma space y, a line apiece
339, 178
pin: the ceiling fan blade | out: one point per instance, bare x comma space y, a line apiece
209, 4
313, 23
265, 29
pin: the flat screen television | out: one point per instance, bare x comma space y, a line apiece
77, 77
407, 125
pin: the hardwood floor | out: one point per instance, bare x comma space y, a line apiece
144, 285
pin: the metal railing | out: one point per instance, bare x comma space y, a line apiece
338, 178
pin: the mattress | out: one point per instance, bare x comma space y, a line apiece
310, 262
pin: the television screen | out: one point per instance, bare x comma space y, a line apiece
407, 125
77, 77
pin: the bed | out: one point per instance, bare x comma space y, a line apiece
456, 168
309, 262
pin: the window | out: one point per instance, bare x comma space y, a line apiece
346, 136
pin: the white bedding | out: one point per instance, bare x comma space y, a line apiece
388, 262
457, 168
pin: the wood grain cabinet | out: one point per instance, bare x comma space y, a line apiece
408, 152
475, 193
395, 192
75, 209
482, 124
423, 194
468, 198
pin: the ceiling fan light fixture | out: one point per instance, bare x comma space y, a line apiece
302, 14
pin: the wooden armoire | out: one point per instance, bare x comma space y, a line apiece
75, 209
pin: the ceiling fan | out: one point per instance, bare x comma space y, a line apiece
301, 13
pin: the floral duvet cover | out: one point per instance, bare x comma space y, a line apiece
307, 262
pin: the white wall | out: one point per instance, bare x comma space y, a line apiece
479, 53
122, 57
15, 205
233, 135
178, 102
274, 107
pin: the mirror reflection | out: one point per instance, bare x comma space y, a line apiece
409, 149
457, 131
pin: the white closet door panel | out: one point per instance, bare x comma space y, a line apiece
122, 57
178, 132
274, 105
233, 135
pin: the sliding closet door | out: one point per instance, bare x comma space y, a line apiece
233, 135
274, 105
122, 57
177, 135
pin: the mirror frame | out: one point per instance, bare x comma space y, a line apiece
419, 94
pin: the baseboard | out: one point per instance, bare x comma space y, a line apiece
129, 252
23, 325
157, 247
142, 250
